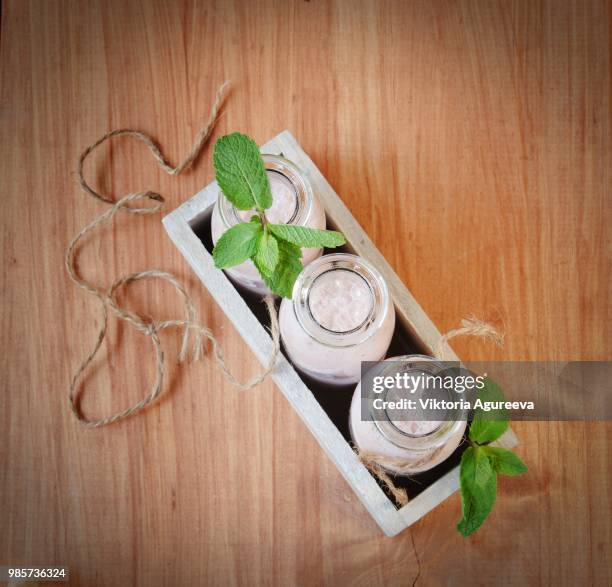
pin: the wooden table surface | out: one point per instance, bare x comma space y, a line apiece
472, 142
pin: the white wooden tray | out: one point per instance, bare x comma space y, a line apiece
179, 225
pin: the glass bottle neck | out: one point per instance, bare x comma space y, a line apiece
291, 193
404, 432
340, 300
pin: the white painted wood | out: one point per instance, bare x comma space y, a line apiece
178, 225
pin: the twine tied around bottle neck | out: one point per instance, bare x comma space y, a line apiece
150, 202
382, 466
470, 326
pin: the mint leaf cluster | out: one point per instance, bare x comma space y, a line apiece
275, 249
480, 463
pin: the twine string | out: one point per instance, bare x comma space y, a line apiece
149, 202
375, 464
470, 326
199, 143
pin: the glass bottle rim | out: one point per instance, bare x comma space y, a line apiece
340, 262
299, 182
420, 442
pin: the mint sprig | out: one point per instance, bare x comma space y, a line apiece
480, 463
275, 249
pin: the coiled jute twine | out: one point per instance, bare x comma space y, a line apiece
107, 298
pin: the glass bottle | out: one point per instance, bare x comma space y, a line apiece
293, 203
341, 314
420, 444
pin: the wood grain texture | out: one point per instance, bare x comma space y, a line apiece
472, 142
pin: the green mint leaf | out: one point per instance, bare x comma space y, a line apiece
307, 237
267, 253
288, 267
504, 462
241, 173
478, 490
483, 431
488, 426
237, 244
482, 469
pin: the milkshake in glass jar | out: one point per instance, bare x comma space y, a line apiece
341, 314
420, 444
293, 202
